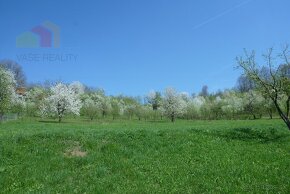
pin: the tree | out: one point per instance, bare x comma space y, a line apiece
154, 99
105, 105
285, 72
270, 80
18, 104
216, 107
190, 110
7, 90
232, 104
101, 100
116, 107
77, 87
204, 91
130, 110
147, 112
244, 84
16, 69
193, 108
253, 103
139, 111
172, 104
34, 100
90, 107
269, 106
205, 109
129, 105
61, 101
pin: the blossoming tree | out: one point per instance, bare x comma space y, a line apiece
63, 99
173, 103
7, 90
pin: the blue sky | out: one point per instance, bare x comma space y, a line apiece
132, 46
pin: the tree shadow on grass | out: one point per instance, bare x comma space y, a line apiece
157, 121
47, 121
248, 134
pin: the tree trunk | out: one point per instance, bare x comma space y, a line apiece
270, 114
288, 106
282, 115
172, 118
1, 117
287, 121
60, 112
254, 116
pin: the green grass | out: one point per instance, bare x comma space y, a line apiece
145, 157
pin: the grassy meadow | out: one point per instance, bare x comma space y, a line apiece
77, 156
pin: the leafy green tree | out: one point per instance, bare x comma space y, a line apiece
154, 99
116, 107
90, 108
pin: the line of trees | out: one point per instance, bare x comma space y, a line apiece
61, 99
262, 90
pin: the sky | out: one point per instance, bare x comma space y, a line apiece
133, 46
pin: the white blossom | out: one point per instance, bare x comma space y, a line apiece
77, 87
62, 100
172, 103
232, 103
7, 90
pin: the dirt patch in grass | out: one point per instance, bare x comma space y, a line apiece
75, 151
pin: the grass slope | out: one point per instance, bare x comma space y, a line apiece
145, 157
